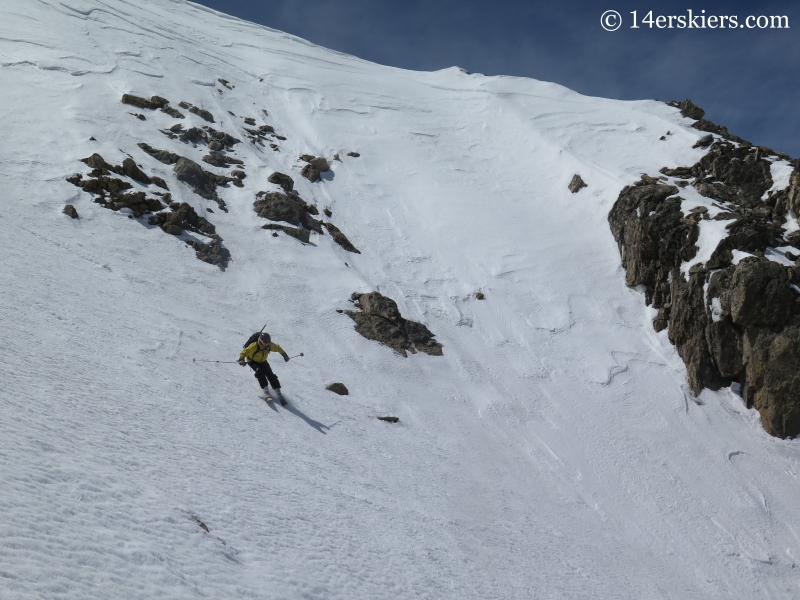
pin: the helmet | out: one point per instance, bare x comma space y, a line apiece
264, 339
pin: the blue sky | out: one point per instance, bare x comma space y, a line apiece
746, 79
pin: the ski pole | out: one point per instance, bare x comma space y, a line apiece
227, 362
301, 354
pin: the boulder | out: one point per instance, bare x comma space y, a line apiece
289, 208
132, 170
310, 173
338, 388
70, 211
183, 216
203, 183
220, 160
340, 238
320, 164
380, 320
286, 182
168, 158
576, 184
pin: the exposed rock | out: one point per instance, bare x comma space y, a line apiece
203, 114
772, 381
286, 182
250, 121
128, 168
691, 110
213, 252
327, 212
183, 216
152, 104
340, 238
320, 164
759, 294
168, 158
353, 154
704, 142
389, 419
257, 136
220, 160
109, 194
338, 388
310, 173
70, 211
173, 112
480, 296
576, 184
289, 208
132, 170
728, 322
238, 174
203, 183
225, 83
380, 320
227, 140
139, 116
299, 234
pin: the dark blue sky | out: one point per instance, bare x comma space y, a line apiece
746, 79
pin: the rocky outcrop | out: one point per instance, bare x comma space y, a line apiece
380, 320
220, 160
154, 103
576, 184
338, 388
203, 183
183, 217
212, 252
109, 190
730, 321
203, 114
340, 238
315, 166
216, 140
289, 208
286, 182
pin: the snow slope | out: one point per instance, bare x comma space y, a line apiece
552, 452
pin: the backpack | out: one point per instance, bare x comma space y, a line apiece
251, 339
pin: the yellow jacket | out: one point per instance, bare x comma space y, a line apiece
253, 353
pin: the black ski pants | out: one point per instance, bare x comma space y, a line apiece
263, 373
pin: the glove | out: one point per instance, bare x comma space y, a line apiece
286, 357
242, 363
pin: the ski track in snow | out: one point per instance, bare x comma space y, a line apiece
552, 452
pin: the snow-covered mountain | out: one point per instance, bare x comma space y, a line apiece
553, 450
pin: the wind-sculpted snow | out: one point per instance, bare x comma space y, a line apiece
554, 450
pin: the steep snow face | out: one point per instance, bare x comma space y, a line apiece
551, 452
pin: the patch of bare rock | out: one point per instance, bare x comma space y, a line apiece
379, 319
338, 388
202, 113
315, 165
155, 102
203, 182
731, 321
576, 184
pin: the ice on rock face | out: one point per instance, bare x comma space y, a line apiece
553, 437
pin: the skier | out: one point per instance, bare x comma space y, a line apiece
255, 354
